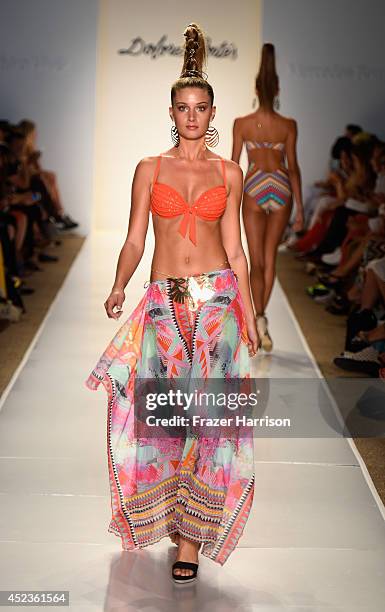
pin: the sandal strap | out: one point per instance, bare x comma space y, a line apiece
185, 565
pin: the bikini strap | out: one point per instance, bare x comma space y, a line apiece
157, 167
224, 172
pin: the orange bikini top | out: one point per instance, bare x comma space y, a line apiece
168, 202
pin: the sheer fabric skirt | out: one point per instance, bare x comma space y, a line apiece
200, 488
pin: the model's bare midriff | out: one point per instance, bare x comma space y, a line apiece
177, 256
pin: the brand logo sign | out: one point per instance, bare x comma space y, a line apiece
138, 46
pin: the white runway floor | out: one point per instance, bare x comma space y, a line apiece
315, 540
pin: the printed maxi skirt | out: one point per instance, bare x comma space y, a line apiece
187, 327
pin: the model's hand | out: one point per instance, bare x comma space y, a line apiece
253, 338
115, 300
299, 222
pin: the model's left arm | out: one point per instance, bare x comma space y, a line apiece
231, 239
295, 174
237, 141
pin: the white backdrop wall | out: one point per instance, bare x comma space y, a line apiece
47, 74
331, 63
133, 92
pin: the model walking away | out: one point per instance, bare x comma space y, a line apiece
269, 184
195, 320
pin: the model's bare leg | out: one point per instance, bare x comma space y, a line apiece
254, 220
187, 551
276, 223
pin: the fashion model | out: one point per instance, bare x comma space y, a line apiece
195, 320
269, 184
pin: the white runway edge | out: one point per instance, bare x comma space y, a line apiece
315, 539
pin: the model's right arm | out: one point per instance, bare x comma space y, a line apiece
133, 247
237, 141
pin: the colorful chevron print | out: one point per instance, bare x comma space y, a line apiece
271, 190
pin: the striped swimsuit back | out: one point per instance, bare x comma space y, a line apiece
271, 190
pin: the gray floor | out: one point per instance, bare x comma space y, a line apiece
315, 539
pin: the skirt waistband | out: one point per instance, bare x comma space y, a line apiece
164, 281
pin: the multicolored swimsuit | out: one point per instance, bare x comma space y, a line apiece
271, 190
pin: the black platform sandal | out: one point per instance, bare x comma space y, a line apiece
187, 566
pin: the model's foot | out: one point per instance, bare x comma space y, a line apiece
266, 341
187, 551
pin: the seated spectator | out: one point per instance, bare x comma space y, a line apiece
351, 130
352, 198
31, 215
362, 229
323, 191
348, 195
11, 304
340, 167
40, 176
4, 146
344, 245
348, 277
365, 335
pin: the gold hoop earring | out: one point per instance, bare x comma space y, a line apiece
212, 137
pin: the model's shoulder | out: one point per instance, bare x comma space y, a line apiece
233, 170
287, 126
289, 122
152, 160
147, 162
243, 120
292, 123
146, 166
231, 167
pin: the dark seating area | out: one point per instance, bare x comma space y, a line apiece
33, 220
